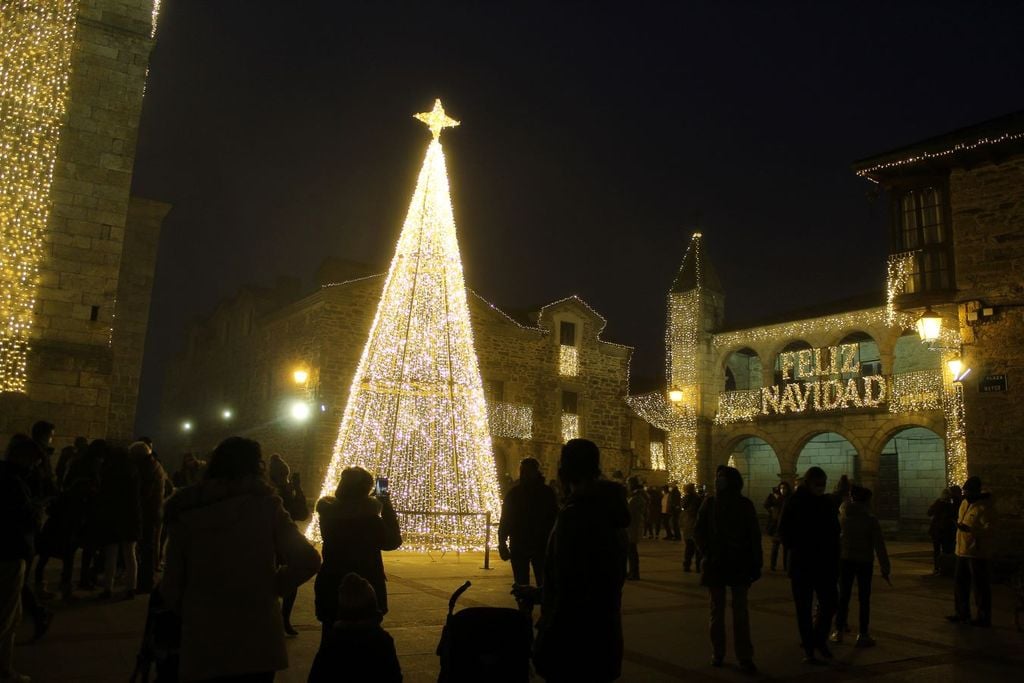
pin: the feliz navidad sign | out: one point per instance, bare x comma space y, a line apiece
822, 379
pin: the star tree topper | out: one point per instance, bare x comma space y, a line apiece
436, 119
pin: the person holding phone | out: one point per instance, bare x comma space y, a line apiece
355, 528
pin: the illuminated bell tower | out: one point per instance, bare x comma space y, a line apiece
696, 307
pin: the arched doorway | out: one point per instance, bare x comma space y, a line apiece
831, 452
758, 463
743, 370
912, 472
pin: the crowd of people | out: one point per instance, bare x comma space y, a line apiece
217, 546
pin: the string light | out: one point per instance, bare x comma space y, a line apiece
657, 455
959, 147
510, 420
416, 411
35, 63
570, 427
897, 270
155, 18
568, 360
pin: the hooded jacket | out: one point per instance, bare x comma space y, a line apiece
579, 636
979, 515
232, 550
354, 531
861, 536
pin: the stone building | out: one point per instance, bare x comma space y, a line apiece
277, 366
957, 214
854, 387
98, 249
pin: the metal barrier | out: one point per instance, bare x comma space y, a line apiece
487, 526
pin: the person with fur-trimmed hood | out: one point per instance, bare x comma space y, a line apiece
356, 648
355, 528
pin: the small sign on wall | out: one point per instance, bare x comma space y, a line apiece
992, 383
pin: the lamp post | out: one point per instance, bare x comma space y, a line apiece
929, 325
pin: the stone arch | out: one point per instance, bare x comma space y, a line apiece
910, 355
757, 460
745, 367
774, 359
837, 456
912, 472
870, 350
728, 442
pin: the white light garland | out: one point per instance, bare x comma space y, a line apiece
568, 360
416, 411
570, 427
958, 147
510, 420
897, 270
36, 41
657, 455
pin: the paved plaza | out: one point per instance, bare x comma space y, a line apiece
665, 626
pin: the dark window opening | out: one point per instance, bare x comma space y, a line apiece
494, 390
570, 402
94, 313
922, 228
567, 333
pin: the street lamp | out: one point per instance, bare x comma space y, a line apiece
675, 395
300, 376
186, 426
227, 414
300, 411
957, 369
929, 325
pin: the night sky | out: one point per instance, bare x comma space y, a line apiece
592, 136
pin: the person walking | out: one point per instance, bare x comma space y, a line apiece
974, 530
19, 522
665, 512
942, 529
729, 537
232, 551
77, 504
690, 504
152, 483
288, 487
809, 529
527, 515
117, 521
579, 635
775, 503
355, 528
860, 541
637, 503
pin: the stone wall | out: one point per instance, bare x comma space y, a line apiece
71, 363
988, 228
325, 333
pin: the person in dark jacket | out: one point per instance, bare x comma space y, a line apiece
809, 529
653, 520
355, 528
527, 515
675, 508
860, 541
729, 536
74, 508
289, 489
117, 521
579, 635
690, 504
775, 503
637, 503
942, 528
152, 483
19, 521
356, 648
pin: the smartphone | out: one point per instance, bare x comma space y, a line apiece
381, 487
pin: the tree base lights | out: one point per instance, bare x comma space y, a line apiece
416, 411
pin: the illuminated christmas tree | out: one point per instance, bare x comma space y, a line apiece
416, 412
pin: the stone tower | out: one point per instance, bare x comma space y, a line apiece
98, 247
696, 307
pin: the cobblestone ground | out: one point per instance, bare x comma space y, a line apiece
665, 627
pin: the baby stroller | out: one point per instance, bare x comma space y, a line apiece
161, 641
485, 644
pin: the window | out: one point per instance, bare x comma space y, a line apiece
658, 455
94, 313
567, 333
570, 402
494, 390
922, 228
